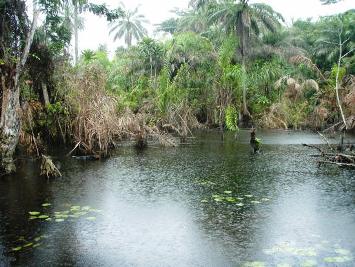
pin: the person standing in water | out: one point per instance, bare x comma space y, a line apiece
254, 142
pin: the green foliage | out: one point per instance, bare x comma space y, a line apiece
333, 74
231, 118
227, 51
130, 26
56, 116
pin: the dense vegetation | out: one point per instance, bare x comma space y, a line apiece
227, 64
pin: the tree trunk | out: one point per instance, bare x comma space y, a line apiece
45, 94
337, 80
243, 33
76, 44
10, 125
10, 107
151, 66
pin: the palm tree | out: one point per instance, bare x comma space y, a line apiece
245, 21
130, 26
198, 4
74, 21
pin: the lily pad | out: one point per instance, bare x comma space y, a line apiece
228, 192
48, 219
61, 216
342, 251
16, 249
309, 263
255, 202
218, 199
240, 204
80, 213
59, 220
239, 198
33, 217
34, 213
254, 264
287, 249
338, 259
43, 217
46, 204
231, 199
215, 196
28, 245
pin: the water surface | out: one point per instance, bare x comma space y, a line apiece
212, 203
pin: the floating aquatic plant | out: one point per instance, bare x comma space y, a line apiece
46, 204
287, 249
254, 264
338, 259
309, 263
28, 245
240, 204
255, 202
231, 199
228, 192
342, 251
34, 213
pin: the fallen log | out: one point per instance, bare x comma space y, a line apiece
315, 147
340, 164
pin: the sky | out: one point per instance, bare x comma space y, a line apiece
96, 31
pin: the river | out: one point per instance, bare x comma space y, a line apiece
210, 203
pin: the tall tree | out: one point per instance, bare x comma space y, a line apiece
200, 4
14, 51
130, 26
245, 21
76, 4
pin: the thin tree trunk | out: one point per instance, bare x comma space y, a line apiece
337, 80
45, 94
10, 116
245, 108
76, 44
151, 66
241, 31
